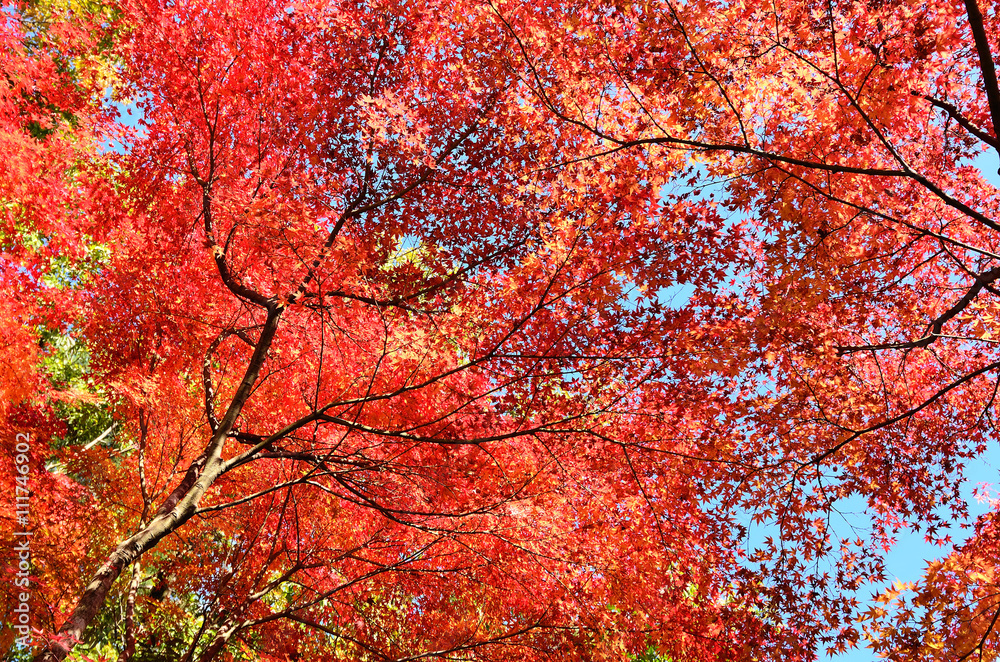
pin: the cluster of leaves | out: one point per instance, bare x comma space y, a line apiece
376, 292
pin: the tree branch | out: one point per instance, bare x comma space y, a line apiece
986, 65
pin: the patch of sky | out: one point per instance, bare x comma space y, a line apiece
129, 115
676, 296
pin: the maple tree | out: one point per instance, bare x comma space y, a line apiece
360, 344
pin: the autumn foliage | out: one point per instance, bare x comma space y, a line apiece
498, 330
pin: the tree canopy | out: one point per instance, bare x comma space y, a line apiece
497, 330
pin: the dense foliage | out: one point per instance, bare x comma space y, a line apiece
497, 330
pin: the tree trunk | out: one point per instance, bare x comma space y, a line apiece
177, 509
